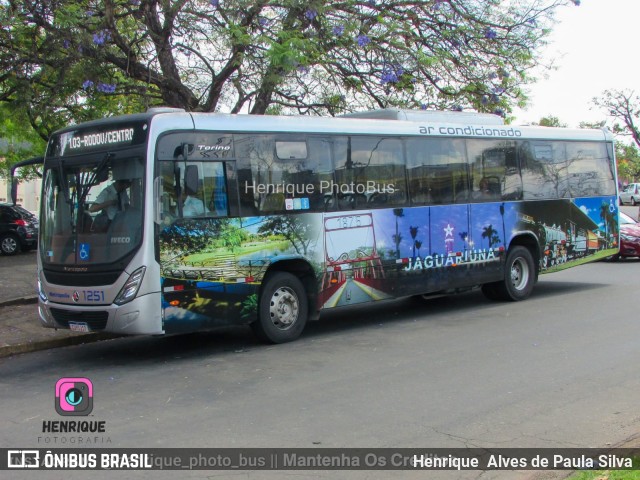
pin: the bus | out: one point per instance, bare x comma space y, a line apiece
169, 221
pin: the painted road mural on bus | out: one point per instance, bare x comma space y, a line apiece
212, 268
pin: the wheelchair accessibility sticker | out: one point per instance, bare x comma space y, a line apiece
84, 251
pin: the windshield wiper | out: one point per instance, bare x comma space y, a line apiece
91, 180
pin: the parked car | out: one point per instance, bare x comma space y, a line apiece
630, 194
629, 238
18, 229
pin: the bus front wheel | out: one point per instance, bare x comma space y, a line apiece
519, 277
283, 310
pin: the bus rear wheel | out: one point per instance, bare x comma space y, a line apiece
519, 277
283, 309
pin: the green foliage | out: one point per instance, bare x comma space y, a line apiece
249, 306
230, 236
18, 141
297, 229
190, 236
609, 474
69, 61
628, 160
551, 121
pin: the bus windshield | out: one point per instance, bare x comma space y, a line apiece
91, 209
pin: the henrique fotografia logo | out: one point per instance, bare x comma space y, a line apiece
74, 396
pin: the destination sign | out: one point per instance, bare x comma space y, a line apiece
124, 135
82, 140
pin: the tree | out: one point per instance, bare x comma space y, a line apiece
413, 231
18, 141
297, 229
623, 106
397, 237
491, 234
551, 121
596, 125
70, 60
190, 236
628, 160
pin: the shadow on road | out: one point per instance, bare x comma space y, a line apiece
141, 352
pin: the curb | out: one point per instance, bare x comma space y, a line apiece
9, 350
47, 343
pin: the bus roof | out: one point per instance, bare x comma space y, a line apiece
357, 125
399, 122
429, 116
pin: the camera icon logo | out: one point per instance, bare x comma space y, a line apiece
74, 396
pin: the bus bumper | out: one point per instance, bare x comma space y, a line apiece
141, 316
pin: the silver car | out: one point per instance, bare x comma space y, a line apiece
630, 194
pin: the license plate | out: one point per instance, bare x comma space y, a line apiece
78, 326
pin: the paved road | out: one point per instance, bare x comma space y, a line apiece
352, 294
557, 370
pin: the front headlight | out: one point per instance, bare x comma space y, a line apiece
130, 288
41, 294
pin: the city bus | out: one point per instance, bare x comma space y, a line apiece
170, 221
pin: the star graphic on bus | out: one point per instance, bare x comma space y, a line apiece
448, 231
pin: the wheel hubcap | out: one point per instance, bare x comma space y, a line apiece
9, 245
284, 308
519, 274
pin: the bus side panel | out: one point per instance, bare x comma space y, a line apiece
572, 232
212, 268
378, 254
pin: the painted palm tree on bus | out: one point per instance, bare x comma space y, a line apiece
610, 218
397, 238
413, 231
464, 236
491, 234
417, 244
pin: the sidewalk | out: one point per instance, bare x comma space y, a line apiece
20, 329
21, 332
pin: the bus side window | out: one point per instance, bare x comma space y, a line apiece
257, 170
437, 171
370, 172
544, 170
589, 169
494, 170
284, 173
215, 188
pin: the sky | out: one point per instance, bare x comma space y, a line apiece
595, 48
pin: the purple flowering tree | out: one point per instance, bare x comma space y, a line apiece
71, 60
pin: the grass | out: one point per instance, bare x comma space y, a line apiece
606, 475
610, 474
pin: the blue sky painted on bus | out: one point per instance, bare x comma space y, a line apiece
435, 226
489, 214
592, 207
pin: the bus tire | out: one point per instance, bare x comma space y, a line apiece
283, 309
519, 275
